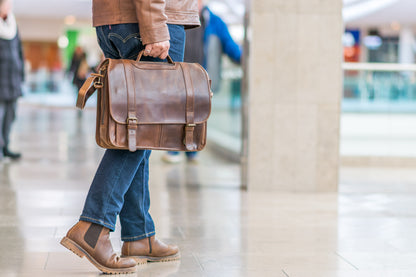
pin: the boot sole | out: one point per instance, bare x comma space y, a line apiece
148, 259
79, 251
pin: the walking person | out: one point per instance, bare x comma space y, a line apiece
11, 75
79, 67
121, 184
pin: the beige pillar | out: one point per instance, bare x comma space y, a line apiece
295, 85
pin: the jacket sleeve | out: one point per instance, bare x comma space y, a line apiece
21, 57
152, 20
229, 46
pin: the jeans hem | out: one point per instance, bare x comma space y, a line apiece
127, 239
98, 221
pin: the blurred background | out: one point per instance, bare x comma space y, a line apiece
366, 222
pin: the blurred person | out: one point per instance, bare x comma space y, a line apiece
82, 71
11, 75
121, 184
205, 45
77, 58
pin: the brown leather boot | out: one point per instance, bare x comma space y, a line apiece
150, 250
93, 241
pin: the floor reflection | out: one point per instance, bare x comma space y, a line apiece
366, 230
11, 238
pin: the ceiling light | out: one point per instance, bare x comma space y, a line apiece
70, 20
373, 42
63, 42
395, 26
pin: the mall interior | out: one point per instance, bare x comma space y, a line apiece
310, 164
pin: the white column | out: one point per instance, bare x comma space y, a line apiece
295, 85
406, 46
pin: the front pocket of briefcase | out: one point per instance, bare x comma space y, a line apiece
172, 137
148, 136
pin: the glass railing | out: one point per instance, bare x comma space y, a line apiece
379, 110
379, 87
225, 122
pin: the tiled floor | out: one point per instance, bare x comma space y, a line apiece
367, 230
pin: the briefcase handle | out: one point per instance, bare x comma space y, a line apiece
139, 57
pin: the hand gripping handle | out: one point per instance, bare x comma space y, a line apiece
139, 57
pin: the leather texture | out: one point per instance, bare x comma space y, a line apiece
150, 249
152, 15
150, 105
93, 241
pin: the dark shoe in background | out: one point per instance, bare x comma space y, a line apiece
11, 155
93, 241
150, 250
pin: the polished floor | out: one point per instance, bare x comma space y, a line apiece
368, 229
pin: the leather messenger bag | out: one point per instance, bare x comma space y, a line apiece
150, 105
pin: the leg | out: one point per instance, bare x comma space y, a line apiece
172, 157
9, 118
112, 180
118, 168
90, 236
135, 218
192, 157
2, 119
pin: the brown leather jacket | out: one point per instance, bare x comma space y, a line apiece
152, 15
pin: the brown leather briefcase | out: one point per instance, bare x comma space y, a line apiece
150, 105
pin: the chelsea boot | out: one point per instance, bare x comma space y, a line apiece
93, 241
150, 250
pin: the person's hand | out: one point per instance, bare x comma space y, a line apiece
158, 49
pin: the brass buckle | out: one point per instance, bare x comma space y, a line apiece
98, 84
191, 125
134, 119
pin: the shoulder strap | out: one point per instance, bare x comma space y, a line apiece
88, 89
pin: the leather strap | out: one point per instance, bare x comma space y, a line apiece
132, 120
88, 89
190, 109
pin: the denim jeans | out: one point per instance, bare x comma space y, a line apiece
7, 116
121, 183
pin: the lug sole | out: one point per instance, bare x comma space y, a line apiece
79, 251
149, 259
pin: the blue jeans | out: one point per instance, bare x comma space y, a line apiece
121, 183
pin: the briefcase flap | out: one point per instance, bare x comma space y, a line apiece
160, 91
